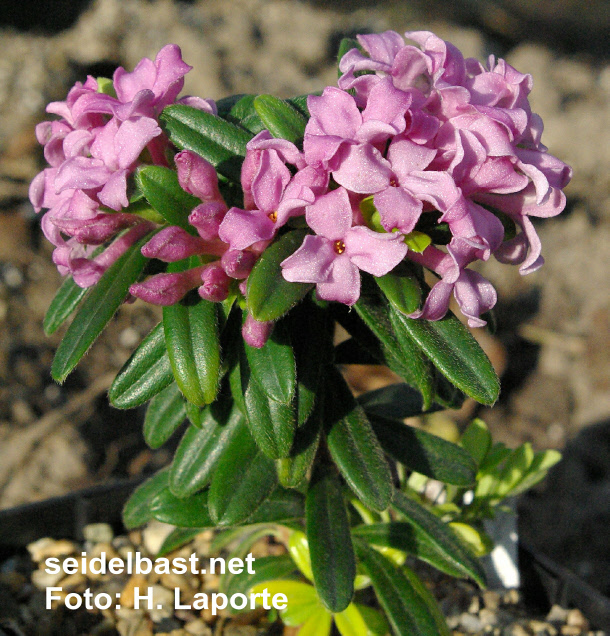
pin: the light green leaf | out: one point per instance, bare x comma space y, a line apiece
280, 118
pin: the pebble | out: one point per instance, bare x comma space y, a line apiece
557, 614
198, 627
98, 533
154, 535
163, 603
127, 596
575, 618
46, 547
42, 579
74, 581
470, 623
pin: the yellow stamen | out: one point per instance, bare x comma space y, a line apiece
273, 216
339, 247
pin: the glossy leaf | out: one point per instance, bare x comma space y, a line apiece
456, 354
243, 479
271, 423
476, 439
97, 309
266, 568
239, 109
280, 507
353, 445
303, 601
273, 367
193, 346
222, 143
349, 622
433, 607
200, 449
164, 415
401, 288
298, 548
269, 295
280, 118
144, 375
396, 401
191, 512
350, 351
177, 538
319, 623
424, 453
161, 188
332, 555
136, 511
406, 611
66, 300
450, 550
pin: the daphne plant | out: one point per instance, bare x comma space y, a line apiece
259, 224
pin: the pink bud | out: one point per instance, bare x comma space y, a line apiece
207, 217
197, 176
256, 333
173, 244
216, 283
167, 289
238, 263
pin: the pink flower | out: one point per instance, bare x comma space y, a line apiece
334, 257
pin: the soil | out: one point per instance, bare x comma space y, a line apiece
552, 337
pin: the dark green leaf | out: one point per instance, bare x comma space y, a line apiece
353, 445
401, 288
239, 109
269, 295
350, 351
144, 375
176, 539
164, 415
272, 424
396, 401
451, 553
161, 188
194, 414
330, 544
243, 479
300, 103
456, 354
191, 512
265, 569
222, 143
200, 449
66, 300
407, 612
281, 506
97, 310
193, 346
280, 118
424, 453
273, 367
136, 511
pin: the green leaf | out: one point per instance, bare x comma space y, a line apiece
431, 603
401, 288
293, 469
273, 367
243, 479
136, 511
281, 506
303, 602
476, 439
425, 453
200, 449
450, 551
97, 310
144, 375
407, 612
353, 445
191, 512
300, 103
194, 414
176, 539
330, 544
272, 424
395, 401
161, 188
350, 351
456, 354
280, 118
319, 623
267, 568
222, 143
164, 415
298, 549
269, 295
193, 344
543, 460
350, 622
239, 109
66, 300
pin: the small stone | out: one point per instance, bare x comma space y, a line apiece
42, 579
576, 618
557, 614
475, 605
542, 628
510, 597
491, 599
46, 547
74, 581
173, 581
470, 623
570, 630
519, 630
488, 617
163, 603
98, 533
154, 535
128, 593
198, 627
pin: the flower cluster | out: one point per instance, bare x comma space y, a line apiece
418, 154
104, 128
